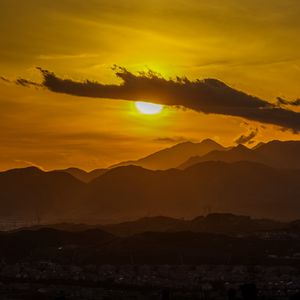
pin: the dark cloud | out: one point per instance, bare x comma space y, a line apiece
247, 138
281, 101
5, 79
27, 83
22, 82
209, 96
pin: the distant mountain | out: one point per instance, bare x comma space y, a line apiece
83, 175
127, 193
276, 154
244, 188
281, 154
173, 156
31, 193
235, 154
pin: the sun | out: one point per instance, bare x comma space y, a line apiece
148, 108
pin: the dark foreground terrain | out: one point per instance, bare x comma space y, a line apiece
223, 257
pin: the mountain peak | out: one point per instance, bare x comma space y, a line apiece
172, 157
27, 170
241, 147
209, 142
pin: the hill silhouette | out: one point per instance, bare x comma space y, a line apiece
173, 156
244, 187
219, 223
281, 154
84, 175
185, 247
235, 154
275, 154
32, 193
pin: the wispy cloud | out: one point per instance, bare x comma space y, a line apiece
27, 83
21, 81
5, 79
281, 101
247, 138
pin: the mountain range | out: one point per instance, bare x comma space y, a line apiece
172, 157
261, 182
84, 175
275, 154
130, 192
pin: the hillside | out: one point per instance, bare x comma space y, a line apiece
98, 247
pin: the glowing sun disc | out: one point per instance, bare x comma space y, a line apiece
148, 108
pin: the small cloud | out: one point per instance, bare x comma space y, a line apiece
22, 82
281, 101
247, 138
5, 79
27, 83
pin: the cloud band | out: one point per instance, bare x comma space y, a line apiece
208, 96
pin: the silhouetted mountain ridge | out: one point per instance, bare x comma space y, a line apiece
276, 154
83, 175
31, 192
242, 187
173, 156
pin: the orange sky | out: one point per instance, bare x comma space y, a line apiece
252, 46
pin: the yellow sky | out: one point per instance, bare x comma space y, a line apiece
249, 44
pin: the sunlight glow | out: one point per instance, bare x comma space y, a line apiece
148, 108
